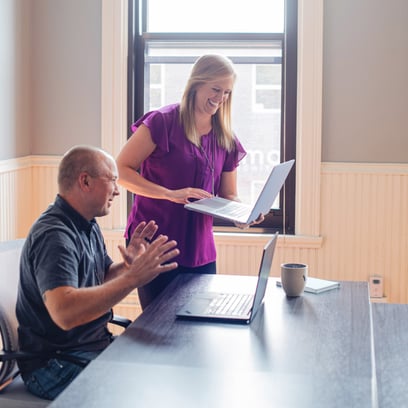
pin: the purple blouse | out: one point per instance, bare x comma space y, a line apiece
176, 163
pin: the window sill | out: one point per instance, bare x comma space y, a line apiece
256, 238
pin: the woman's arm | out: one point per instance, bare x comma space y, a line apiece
137, 149
228, 186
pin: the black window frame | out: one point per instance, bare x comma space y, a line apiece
283, 219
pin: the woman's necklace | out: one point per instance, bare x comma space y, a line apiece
211, 164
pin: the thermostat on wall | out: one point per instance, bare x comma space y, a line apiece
376, 286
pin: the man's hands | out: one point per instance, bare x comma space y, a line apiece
70, 306
153, 261
141, 236
146, 258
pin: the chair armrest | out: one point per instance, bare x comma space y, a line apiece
120, 321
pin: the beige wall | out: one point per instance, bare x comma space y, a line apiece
50, 73
51, 78
66, 74
15, 78
365, 81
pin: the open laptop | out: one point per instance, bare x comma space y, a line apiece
232, 307
243, 213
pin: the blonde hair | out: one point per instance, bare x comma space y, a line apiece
208, 68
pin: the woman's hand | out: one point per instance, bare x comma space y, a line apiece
184, 195
260, 219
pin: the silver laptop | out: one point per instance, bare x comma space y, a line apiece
232, 307
243, 213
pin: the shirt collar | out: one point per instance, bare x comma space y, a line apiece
80, 222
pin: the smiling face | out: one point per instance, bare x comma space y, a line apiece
211, 95
104, 188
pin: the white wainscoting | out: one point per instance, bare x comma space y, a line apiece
363, 223
16, 198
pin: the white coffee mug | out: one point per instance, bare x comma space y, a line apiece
293, 277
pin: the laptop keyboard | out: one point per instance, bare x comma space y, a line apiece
236, 210
230, 304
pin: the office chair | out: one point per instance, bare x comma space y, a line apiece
9, 353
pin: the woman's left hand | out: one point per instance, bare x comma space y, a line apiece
241, 225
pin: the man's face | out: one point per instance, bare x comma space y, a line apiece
104, 189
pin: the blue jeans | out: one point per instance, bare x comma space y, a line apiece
49, 381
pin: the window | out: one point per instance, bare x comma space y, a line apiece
261, 42
267, 88
156, 87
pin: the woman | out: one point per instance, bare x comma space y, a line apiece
179, 153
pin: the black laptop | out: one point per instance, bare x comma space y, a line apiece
232, 307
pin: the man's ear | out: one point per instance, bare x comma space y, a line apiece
84, 179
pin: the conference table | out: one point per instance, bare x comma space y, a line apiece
315, 350
390, 326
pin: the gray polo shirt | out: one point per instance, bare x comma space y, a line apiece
62, 249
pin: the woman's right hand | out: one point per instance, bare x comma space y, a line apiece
185, 195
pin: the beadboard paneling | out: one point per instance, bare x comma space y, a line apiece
363, 223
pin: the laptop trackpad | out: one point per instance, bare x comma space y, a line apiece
198, 305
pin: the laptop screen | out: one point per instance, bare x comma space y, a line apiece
266, 264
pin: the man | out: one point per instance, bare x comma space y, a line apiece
68, 283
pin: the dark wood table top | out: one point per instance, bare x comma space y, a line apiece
390, 326
311, 351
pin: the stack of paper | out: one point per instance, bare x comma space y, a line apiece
316, 285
